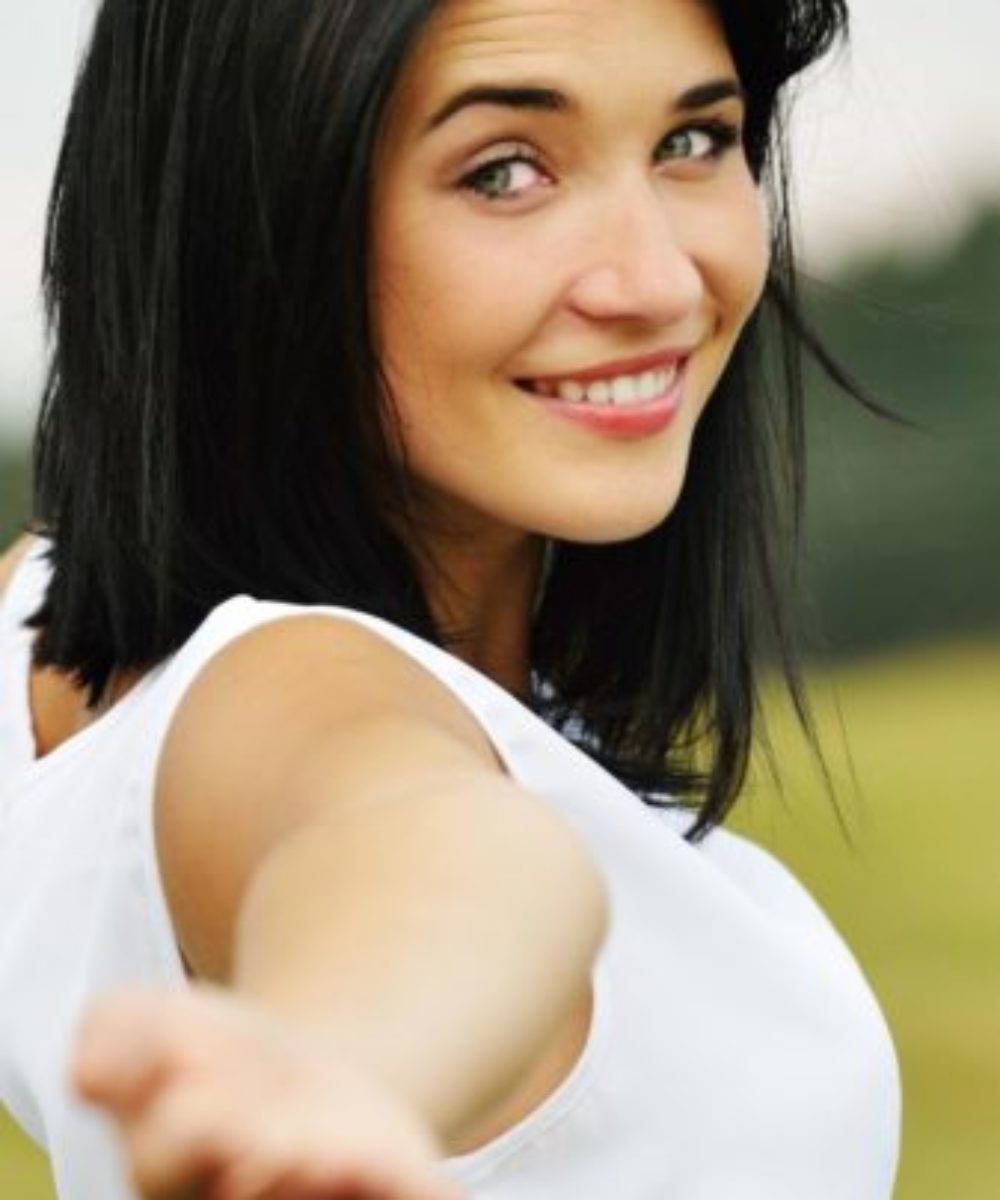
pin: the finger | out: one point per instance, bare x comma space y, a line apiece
181, 1142
273, 1172
382, 1180
120, 1051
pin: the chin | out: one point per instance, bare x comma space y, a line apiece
628, 518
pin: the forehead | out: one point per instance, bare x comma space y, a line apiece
466, 38
471, 29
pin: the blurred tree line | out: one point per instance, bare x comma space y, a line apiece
13, 491
903, 536
903, 530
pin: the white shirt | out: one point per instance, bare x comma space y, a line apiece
735, 1053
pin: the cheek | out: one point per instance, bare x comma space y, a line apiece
444, 298
451, 312
733, 256
739, 258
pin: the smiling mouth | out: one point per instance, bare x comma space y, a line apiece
622, 391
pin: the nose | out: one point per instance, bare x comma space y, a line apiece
640, 265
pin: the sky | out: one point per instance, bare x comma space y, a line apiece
895, 140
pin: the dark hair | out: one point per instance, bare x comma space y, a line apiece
215, 419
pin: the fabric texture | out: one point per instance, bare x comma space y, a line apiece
735, 1053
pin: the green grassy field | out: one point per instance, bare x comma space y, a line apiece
916, 892
917, 895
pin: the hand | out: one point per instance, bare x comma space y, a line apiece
217, 1099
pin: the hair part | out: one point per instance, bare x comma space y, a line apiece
215, 419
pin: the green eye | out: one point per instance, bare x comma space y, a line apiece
690, 143
504, 178
699, 143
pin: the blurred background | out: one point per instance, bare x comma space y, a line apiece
898, 181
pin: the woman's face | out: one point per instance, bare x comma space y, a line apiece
568, 242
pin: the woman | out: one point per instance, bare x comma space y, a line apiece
404, 382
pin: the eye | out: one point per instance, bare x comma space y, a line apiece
504, 178
704, 142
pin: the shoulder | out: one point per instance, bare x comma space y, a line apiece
305, 677
11, 559
286, 724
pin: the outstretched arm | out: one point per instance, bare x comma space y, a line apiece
403, 926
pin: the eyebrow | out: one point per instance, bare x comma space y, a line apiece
550, 100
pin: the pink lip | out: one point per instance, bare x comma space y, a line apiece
635, 421
624, 366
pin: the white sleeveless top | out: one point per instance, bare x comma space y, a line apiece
735, 1053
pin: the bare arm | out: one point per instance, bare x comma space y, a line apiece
449, 977
341, 847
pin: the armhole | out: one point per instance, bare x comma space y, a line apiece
529, 1132
241, 616
167, 687
12, 561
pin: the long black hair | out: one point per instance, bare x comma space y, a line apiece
215, 419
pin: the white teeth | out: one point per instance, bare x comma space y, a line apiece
649, 385
572, 392
599, 392
623, 392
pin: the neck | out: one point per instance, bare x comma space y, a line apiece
483, 593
